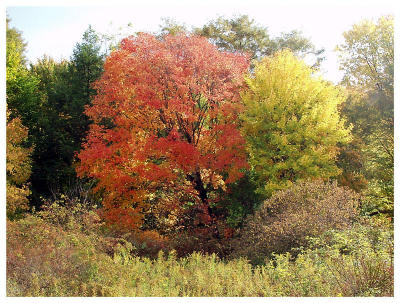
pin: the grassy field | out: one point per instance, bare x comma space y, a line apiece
71, 258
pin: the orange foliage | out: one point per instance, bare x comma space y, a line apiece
165, 117
18, 166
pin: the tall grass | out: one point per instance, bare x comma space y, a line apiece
46, 259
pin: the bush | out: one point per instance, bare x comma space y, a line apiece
72, 216
200, 240
358, 261
290, 216
339, 263
51, 253
44, 260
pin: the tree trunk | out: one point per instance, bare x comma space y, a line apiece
199, 186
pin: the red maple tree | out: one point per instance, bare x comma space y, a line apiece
165, 119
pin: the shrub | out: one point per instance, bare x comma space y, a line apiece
285, 220
200, 240
146, 243
71, 215
43, 259
358, 261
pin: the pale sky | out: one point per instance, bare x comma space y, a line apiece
54, 30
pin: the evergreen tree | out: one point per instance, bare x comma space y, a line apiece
86, 67
52, 160
67, 87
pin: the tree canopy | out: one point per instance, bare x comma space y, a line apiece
165, 117
367, 58
291, 123
242, 34
66, 88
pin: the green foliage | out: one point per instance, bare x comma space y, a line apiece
25, 102
171, 27
87, 65
50, 100
55, 148
67, 88
379, 154
286, 219
297, 43
374, 233
361, 257
367, 57
23, 97
15, 49
239, 200
241, 34
291, 123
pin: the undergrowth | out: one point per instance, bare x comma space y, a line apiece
49, 257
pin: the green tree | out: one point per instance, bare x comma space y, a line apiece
239, 200
25, 101
15, 49
171, 27
238, 34
67, 87
367, 58
54, 150
86, 67
299, 45
244, 35
23, 98
291, 122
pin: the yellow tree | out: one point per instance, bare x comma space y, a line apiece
18, 166
291, 123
